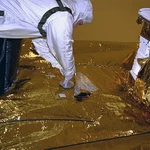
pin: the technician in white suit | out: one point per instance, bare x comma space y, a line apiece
50, 25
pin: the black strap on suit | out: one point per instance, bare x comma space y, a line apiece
49, 13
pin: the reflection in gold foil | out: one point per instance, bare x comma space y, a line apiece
37, 96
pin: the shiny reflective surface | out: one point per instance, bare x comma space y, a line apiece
43, 119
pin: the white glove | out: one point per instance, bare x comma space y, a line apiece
67, 84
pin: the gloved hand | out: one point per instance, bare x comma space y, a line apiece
67, 84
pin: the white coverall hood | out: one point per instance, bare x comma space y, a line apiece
84, 11
145, 13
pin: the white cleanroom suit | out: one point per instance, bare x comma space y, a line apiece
21, 18
143, 51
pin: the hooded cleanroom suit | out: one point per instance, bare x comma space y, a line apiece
21, 18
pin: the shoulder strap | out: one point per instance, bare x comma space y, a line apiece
49, 13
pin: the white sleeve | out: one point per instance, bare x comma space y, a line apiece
43, 50
59, 39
